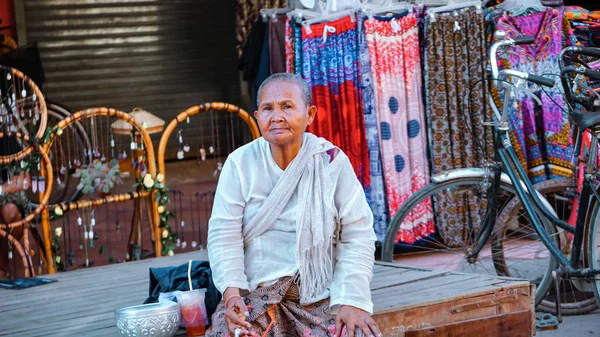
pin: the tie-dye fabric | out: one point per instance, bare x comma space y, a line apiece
331, 68
396, 69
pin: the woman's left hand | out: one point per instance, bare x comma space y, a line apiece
354, 318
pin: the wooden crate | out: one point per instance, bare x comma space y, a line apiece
419, 302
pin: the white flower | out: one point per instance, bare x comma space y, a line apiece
165, 234
57, 258
58, 211
58, 231
59, 131
148, 181
161, 209
160, 177
170, 253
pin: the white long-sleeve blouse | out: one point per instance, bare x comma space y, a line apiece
248, 176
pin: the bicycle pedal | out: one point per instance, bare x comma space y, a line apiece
544, 321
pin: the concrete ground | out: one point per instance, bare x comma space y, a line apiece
576, 326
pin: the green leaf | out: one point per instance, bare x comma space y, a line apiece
111, 259
106, 189
157, 197
86, 189
101, 250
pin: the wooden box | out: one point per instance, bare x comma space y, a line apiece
412, 302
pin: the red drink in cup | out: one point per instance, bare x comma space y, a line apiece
193, 311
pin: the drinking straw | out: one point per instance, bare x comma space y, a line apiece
190, 273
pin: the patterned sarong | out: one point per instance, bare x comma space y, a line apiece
280, 303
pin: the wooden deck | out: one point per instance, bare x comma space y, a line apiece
82, 302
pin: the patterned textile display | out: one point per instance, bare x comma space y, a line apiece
277, 45
539, 134
293, 47
456, 106
378, 197
280, 303
396, 69
330, 65
290, 55
246, 14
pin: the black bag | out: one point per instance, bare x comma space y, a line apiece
169, 279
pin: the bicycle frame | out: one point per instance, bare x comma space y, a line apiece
507, 157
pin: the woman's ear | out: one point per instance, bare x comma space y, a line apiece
312, 112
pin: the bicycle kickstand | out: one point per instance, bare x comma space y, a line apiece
558, 276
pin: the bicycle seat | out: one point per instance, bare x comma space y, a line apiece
586, 119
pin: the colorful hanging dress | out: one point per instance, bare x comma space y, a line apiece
456, 106
539, 134
396, 69
331, 67
378, 197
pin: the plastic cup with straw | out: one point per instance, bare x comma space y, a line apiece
192, 307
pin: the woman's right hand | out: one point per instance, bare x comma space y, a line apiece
236, 314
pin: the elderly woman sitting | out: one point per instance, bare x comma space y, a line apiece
291, 239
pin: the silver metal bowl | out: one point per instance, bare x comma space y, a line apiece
148, 320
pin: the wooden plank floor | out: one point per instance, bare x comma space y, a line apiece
82, 302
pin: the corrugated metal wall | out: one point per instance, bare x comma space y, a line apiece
161, 55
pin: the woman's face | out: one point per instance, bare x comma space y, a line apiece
282, 114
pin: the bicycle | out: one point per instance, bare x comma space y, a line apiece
509, 249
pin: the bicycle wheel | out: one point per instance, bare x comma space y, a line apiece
472, 191
593, 250
575, 299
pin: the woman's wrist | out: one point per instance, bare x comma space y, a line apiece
228, 299
230, 293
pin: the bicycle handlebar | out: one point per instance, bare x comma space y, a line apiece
541, 80
588, 51
507, 43
582, 70
524, 40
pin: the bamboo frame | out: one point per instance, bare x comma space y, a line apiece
87, 113
219, 106
6, 228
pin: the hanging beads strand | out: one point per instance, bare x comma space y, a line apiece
87, 237
233, 132
219, 165
180, 151
79, 227
71, 257
182, 223
112, 144
193, 222
91, 233
202, 150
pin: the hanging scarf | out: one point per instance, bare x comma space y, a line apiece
315, 214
